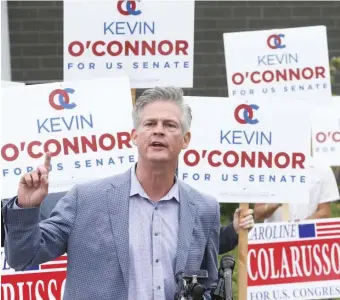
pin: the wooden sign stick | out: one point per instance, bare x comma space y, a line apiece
285, 212
133, 96
242, 280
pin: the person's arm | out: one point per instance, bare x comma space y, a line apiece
329, 192
229, 234
323, 211
263, 211
2, 226
30, 242
211, 254
228, 239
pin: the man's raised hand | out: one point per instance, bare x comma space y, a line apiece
33, 186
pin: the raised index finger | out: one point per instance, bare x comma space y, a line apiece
47, 162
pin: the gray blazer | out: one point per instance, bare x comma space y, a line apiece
90, 223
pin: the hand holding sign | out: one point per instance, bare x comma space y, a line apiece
245, 222
33, 186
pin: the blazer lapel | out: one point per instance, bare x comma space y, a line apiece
186, 226
118, 207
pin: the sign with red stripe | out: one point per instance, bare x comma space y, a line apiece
45, 281
59, 263
294, 260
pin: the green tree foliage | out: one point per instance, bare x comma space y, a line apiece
334, 68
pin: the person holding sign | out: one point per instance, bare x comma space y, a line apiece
127, 236
323, 190
229, 234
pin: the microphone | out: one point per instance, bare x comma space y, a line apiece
188, 287
227, 265
180, 294
223, 289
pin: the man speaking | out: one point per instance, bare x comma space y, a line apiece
126, 236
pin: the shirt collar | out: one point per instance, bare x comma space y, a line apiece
136, 188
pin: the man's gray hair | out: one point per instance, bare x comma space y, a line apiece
172, 94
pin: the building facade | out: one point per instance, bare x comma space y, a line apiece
36, 36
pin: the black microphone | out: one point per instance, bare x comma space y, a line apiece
188, 287
227, 265
180, 293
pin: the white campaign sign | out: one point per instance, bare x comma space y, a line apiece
294, 260
326, 132
85, 124
5, 84
248, 152
290, 62
152, 42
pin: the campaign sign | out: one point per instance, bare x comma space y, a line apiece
326, 132
294, 260
278, 62
45, 281
5, 84
248, 152
86, 125
151, 42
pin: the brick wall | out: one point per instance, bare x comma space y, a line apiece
36, 35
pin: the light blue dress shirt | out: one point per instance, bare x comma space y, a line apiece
153, 234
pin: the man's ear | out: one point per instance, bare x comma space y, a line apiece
134, 136
186, 140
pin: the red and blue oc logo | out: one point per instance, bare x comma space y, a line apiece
248, 114
274, 41
128, 8
63, 99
